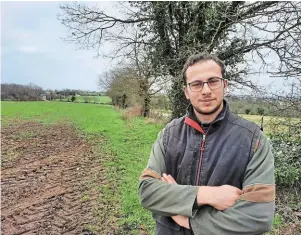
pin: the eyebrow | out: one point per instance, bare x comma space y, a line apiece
207, 79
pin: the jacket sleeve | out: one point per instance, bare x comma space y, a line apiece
160, 197
253, 213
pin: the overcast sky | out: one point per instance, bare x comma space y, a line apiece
32, 50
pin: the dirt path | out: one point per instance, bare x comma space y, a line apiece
46, 178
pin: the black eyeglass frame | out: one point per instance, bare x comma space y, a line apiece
221, 81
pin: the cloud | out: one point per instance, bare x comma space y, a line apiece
33, 51
28, 49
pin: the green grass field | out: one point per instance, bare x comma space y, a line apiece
272, 124
130, 141
90, 99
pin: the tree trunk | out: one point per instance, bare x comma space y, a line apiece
146, 106
178, 99
124, 99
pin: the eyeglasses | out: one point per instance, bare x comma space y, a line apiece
213, 83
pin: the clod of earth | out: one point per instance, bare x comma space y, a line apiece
45, 180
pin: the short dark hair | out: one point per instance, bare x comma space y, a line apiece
202, 57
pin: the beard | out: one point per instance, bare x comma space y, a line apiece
208, 112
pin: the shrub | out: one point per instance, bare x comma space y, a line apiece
260, 111
247, 111
287, 153
131, 112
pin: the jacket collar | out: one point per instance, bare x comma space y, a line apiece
191, 119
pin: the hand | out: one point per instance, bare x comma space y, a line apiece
221, 197
168, 178
179, 219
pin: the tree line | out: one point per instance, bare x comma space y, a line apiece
32, 92
17, 92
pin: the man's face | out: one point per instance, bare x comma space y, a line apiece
207, 101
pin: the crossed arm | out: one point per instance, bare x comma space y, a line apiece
220, 198
230, 210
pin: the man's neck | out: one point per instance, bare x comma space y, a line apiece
208, 118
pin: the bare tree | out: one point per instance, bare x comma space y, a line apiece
171, 31
122, 85
19, 92
149, 81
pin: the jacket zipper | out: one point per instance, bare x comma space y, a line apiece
201, 158
202, 149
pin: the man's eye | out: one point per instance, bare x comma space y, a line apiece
213, 81
198, 84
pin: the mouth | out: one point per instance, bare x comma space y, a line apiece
207, 100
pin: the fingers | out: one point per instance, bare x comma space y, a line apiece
168, 178
171, 179
239, 191
162, 178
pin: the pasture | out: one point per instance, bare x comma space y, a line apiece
89, 99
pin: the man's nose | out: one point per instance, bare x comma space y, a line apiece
206, 89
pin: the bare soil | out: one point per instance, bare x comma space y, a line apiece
48, 175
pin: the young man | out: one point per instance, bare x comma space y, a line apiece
209, 172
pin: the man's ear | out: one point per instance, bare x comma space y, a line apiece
226, 85
186, 92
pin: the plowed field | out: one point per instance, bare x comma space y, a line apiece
45, 176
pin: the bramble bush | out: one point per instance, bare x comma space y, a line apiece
287, 153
